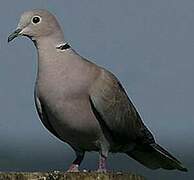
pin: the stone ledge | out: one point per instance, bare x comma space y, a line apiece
69, 176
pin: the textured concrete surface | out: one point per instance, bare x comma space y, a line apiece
68, 176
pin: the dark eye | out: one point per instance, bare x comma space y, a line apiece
36, 19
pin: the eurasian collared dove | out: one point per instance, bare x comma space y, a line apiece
83, 104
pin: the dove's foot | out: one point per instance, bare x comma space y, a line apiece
102, 170
73, 168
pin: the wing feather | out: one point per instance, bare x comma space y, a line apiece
117, 111
43, 116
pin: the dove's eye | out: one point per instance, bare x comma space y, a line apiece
36, 19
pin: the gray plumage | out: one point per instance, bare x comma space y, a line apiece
83, 104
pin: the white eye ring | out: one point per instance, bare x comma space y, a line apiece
36, 20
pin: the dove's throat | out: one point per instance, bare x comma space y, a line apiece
50, 41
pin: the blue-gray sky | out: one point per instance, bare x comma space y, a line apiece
149, 45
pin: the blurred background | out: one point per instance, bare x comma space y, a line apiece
148, 45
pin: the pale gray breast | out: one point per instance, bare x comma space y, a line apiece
63, 88
66, 74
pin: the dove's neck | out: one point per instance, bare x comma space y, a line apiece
46, 49
47, 42
46, 46
49, 55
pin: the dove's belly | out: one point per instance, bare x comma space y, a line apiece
74, 122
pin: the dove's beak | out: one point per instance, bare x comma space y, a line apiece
15, 34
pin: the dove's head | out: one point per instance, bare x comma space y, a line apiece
37, 24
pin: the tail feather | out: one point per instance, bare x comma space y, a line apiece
154, 156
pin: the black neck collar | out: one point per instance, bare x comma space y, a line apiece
63, 46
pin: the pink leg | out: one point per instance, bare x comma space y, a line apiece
102, 163
76, 163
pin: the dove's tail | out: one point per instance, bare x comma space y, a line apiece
154, 156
